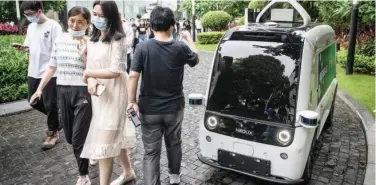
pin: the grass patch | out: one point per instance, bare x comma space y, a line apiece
361, 87
206, 47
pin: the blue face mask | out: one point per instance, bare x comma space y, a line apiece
33, 19
76, 33
99, 22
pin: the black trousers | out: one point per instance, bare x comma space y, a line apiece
135, 42
76, 113
128, 62
48, 103
153, 128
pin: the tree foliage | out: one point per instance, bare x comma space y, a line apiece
9, 12
233, 7
338, 13
216, 20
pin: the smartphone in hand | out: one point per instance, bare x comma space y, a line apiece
19, 46
34, 101
136, 121
100, 89
16, 45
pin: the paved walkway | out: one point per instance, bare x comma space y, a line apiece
341, 160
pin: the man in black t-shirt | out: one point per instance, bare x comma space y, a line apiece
161, 103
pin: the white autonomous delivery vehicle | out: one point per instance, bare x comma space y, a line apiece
271, 92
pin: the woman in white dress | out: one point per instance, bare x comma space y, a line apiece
110, 131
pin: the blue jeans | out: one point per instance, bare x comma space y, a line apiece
142, 37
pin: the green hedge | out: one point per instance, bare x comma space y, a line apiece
242, 20
13, 70
363, 64
216, 20
367, 48
209, 37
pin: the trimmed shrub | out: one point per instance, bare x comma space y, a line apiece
13, 70
209, 37
367, 48
216, 20
242, 20
362, 64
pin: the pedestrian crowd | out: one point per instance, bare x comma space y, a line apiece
85, 82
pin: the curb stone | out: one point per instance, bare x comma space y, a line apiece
15, 107
368, 124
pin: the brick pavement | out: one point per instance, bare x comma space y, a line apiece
341, 160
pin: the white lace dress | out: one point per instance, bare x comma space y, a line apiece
110, 129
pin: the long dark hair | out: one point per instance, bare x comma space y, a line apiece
114, 29
79, 10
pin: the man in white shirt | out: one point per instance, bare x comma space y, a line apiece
198, 25
39, 40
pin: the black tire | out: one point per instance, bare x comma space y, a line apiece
329, 120
308, 170
307, 174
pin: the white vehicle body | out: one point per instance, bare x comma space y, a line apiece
316, 91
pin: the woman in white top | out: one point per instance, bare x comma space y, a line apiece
110, 133
68, 61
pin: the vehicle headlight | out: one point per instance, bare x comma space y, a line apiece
283, 137
211, 122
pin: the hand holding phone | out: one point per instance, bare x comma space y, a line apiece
133, 115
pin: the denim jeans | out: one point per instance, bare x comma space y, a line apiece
142, 37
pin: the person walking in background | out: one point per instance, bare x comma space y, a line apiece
198, 25
129, 35
75, 101
110, 134
178, 29
142, 30
39, 40
161, 102
135, 40
187, 26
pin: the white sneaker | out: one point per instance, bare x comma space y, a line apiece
93, 162
83, 180
175, 178
122, 180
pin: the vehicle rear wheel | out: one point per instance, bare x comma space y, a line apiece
329, 120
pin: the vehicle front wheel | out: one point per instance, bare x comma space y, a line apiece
307, 174
308, 170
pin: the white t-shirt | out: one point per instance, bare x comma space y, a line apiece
69, 65
198, 24
40, 38
129, 37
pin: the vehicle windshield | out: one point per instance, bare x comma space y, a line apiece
256, 80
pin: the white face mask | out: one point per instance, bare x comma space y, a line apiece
76, 33
99, 22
